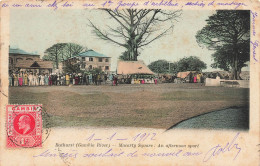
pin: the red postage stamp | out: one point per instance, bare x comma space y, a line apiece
24, 126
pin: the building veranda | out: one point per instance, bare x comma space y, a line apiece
21, 61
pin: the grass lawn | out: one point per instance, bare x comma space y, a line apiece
153, 106
231, 118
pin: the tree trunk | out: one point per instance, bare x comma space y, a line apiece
131, 53
135, 53
57, 63
238, 74
234, 72
56, 56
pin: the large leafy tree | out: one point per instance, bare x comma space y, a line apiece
160, 66
228, 33
72, 49
62, 51
54, 53
224, 56
71, 68
191, 63
134, 29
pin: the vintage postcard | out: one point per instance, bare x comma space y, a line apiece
138, 82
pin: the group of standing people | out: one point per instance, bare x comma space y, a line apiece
196, 78
85, 79
35, 79
29, 79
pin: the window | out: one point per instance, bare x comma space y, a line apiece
107, 68
91, 59
83, 66
19, 59
90, 67
100, 59
83, 58
29, 59
100, 67
11, 61
106, 59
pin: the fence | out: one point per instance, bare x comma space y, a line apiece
227, 83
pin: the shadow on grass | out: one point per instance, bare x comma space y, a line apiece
233, 118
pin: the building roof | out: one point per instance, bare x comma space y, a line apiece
23, 64
132, 67
92, 53
19, 51
34, 64
45, 64
183, 74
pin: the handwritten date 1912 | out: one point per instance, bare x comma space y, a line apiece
217, 150
138, 137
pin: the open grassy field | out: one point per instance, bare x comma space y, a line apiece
152, 106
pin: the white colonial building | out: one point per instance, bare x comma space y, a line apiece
89, 60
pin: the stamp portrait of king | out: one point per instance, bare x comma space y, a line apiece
24, 126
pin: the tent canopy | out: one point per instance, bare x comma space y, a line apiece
183, 74
132, 67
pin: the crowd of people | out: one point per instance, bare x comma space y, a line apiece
44, 79
35, 79
196, 78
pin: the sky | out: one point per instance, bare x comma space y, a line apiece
36, 30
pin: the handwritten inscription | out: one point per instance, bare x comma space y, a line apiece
254, 15
5, 5
139, 137
125, 4
32, 5
110, 152
170, 154
200, 4
130, 150
255, 45
217, 150
235, 4
53, 5
162, 3
107, 4
67, 4
16, 5
49, 153
88, 5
